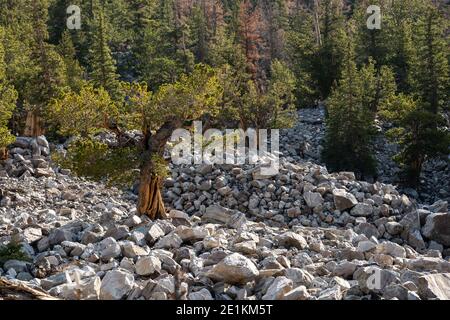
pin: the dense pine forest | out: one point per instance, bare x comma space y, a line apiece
157, 65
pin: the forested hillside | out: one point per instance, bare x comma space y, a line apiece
270, 57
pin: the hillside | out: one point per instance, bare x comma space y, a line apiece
307, 235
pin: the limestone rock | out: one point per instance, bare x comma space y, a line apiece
234, 269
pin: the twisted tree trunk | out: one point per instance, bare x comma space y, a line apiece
33, 125
150, 201
3, 153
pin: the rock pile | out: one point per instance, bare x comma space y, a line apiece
304, 142
29, 156
303, 234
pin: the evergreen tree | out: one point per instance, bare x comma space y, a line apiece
432, 71
8, 97
420, 133
371, 43
301, 49
57, 22
399, 24
250, 24
74, 72
417, 117
102, 65
200, 32
350, 124
161, 54
327, 66
173, 106
49, 79
17, 42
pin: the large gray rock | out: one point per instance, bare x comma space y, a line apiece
131, 250
278, 289
18, 266
367, 229
87, 289
435, 286
109, 248
437, 228
428, 264
391, 249
299, 293
217, 214
148, 265
313, 199
374, 278
116, 285
170, 241
343, 200
362, 210
154, 233
292, 239
191, 234
234, 269
59, 235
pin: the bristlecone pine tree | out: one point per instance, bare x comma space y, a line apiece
157, 115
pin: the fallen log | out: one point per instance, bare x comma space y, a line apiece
10, 290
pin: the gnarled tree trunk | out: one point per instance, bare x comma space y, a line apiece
33, 125
150, 201
3, 153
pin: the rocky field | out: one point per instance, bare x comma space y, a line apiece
310, 130
304, 234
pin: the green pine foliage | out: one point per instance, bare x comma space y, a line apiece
139, 64
419, 132
102, 64
352, 107
8, 97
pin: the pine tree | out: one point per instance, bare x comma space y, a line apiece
103, 67
399, 26
8, 97
250, 23
18, 40
419, 133
329, 59
419, 124
173, 106
277, 24
432, 71
48, 80
371, 43
350, 124
200, 32
159, 51
301, 50
57, 22
74, 72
